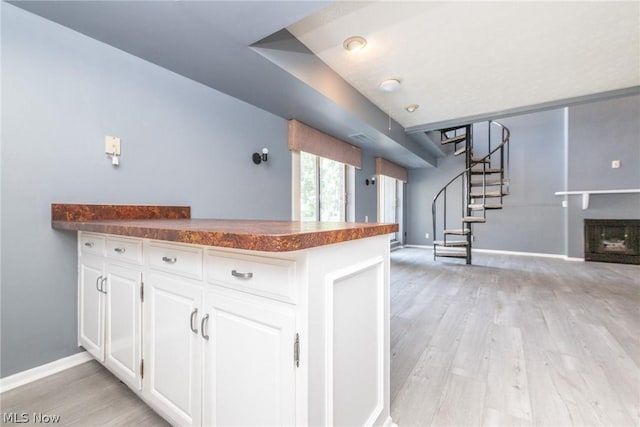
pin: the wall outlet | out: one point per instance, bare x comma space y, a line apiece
112, 145
615, 164
426, 235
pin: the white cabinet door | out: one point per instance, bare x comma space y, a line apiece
123, 323
173, 349
249, 376
91, 306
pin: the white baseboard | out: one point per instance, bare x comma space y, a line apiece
499, 252
33, 374
419, 246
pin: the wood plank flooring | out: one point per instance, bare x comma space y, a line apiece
514, 341
86, 395
508, 341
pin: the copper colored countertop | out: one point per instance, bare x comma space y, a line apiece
268, 236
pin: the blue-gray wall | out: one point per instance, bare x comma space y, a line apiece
533, 217
366, 195
182, 143
597, 134
556, 150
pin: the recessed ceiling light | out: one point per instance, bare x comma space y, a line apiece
390, 85
411, 108
355, 43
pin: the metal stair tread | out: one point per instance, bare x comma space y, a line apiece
457, 232
495, 193
460, 151
489, 182
473, 219
457, 138
481, 171
480, 160
480, 206
451, 243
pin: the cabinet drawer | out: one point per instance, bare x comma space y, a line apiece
91, 244
124, 249
177, 259
268, 277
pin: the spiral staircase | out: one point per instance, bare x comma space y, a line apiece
480, 187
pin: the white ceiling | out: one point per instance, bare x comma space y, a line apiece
462, 59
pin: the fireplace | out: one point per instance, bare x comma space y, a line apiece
612, 240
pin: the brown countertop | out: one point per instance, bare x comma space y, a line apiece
268, 236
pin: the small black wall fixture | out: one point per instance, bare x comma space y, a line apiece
259, 158
371, 181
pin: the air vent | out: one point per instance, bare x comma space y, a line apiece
362, 138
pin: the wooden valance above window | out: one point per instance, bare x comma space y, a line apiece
387, 168
305, 138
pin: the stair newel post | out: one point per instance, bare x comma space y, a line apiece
433, 221
506, 137
489, 123
444, 216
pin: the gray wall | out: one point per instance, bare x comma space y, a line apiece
599, 133
366, 195
533, 217
550, 151
182, 143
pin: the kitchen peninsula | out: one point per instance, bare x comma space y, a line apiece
219, 322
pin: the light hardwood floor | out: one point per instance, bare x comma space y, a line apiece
514, 340
508, 341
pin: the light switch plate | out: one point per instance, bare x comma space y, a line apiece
112, 145
615, 164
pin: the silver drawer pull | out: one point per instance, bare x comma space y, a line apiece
120, 250
194, 313
203, 323
169, 260
89, 244
234, 273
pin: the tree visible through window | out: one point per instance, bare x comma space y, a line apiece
322, 189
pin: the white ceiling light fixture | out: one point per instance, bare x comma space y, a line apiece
390, 85
355, 43
411, 108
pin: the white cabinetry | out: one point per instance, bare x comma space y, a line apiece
249, 374
91, 305
109, 303
173, 345
236, 337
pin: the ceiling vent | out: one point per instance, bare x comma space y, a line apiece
362, 138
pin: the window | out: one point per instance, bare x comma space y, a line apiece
322, 189
325, 189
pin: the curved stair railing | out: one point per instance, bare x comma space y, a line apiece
473, 192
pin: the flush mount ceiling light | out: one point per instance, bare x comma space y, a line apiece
390, 85
411, 108
355, 43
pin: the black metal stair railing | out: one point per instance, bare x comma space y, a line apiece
474, 166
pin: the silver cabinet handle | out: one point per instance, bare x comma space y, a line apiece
98, 282
102, 282
234, 273
202, 324
120, 250
194, 313
89, 244
170, 260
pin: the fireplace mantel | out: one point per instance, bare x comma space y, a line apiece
586, 193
